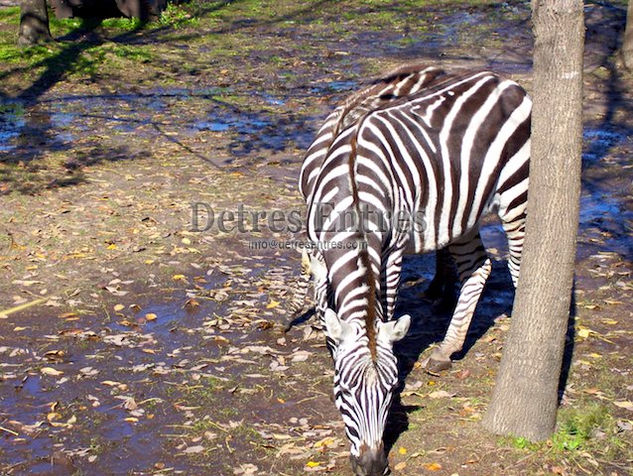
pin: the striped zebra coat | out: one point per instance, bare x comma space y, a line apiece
411, 164
402, 82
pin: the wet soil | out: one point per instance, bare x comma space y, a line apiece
135, 341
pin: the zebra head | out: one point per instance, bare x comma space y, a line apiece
364, 386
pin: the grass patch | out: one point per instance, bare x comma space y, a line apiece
11, 53
10, 15
577, 426
586, 432
122, 24
63, 26
133, 53
176, 16
203, 393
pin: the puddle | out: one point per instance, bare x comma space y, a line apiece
156, 115
596, 207
11, 122
242, 125
598, 142
150, 357
213, 126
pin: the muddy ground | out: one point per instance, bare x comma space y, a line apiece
131, 342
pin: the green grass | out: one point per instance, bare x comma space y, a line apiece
121, 24
133, 53
10, 15
11, 53
60, 27
176, 16
203, 393
588, 427
577, 425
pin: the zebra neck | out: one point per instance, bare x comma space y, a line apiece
356, 289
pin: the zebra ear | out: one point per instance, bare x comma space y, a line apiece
318, 268
393, 331
305, 263
334, 327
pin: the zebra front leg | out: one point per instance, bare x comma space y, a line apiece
474, 267
298, 299
393, 271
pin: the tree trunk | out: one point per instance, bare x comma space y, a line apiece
525, 397
627, 47
33, 22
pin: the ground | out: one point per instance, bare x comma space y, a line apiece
135, 341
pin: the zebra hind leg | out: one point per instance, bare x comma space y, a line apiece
473, 267
298, 298
515, 232
441, 290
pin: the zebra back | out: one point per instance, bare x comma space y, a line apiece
399, 83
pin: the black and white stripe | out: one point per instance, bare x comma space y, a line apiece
399, 83
452, 151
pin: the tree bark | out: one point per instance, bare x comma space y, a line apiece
525, 397
33, 23
627, 46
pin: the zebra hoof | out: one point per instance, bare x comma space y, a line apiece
434, 367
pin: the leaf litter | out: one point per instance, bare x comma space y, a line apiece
205, 367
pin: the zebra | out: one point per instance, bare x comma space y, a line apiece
439, 159
403, 81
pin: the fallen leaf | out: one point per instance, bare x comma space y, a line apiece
585, 332
53, 416
68, 315
440, 394
247, 469
400, 466
51, 371
433, 466
194, 449
627, 405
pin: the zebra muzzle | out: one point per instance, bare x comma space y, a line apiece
370, 462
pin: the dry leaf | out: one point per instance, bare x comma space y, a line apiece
440, 394
433, 466
625, 404
194, 449
51, 371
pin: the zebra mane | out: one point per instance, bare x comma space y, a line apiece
370, 316
372, 96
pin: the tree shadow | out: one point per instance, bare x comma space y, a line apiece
568, 352
606, 204
429, 325
602, 138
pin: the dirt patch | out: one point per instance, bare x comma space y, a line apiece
132, 342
